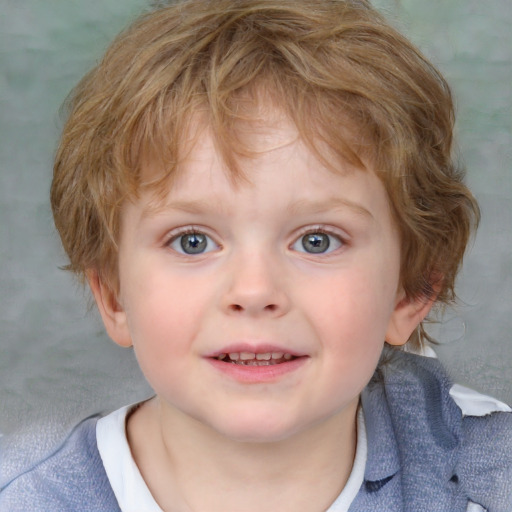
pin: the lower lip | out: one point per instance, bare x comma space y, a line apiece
257, 374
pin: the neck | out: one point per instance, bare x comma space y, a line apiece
305, 471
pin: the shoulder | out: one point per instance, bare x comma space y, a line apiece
485, 455
70, 478
445, 443
485, 460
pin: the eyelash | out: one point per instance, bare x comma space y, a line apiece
189, 230
180, 233
343, 240
320, 230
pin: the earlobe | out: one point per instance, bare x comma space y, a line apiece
111, 311
408, 314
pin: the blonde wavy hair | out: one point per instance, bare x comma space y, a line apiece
328, 64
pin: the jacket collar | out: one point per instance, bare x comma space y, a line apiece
414, 431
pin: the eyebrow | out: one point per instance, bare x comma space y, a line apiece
196, 206
201, 206
332, 203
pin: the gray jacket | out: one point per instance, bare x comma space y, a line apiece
423, 455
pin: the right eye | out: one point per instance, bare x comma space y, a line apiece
193, 242
318, 242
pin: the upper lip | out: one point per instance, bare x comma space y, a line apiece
254, 348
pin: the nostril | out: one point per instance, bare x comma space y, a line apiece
271, 308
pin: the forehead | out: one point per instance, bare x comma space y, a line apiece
262, 133
278, 170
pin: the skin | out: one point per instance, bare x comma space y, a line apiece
288, 440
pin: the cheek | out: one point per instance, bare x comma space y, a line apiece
163, 334
350, 314
163, 315
352, 330
355, 304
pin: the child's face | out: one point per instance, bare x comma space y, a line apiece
301, 261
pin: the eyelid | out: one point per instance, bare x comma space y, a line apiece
322, 228
176, 233
327, 230
185, 230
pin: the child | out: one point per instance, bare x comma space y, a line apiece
261, 196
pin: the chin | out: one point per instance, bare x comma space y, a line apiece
257, 429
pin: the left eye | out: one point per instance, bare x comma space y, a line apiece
192, 243
317, 242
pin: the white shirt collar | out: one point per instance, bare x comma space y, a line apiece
132, 493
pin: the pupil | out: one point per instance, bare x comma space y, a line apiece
194, 243
315, 242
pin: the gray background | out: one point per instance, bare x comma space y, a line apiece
56, 363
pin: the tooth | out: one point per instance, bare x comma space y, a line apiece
287, 356
246, 356
235, 356
220, 357
277, 355
263, 357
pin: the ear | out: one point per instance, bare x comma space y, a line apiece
407, 315
111, 311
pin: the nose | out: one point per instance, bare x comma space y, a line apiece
255, 287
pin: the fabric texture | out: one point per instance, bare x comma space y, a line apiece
132, 493
72, 478
130, 489
423, 454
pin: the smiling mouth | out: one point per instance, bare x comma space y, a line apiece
251, 359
